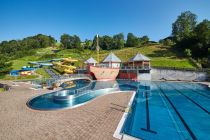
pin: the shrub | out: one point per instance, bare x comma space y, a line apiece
187, 52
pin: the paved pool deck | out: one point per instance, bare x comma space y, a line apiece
96, 120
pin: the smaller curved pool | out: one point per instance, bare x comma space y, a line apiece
65, 99
83, 92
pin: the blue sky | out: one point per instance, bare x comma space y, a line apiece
85, 18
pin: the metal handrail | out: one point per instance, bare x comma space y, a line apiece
135, 67
121, 67
186, 69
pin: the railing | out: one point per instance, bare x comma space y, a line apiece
122, 67
60, 79
83, 90
135, 68
64, 94
76, 76
185, 69
82, 68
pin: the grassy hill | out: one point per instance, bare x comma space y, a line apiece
159, 55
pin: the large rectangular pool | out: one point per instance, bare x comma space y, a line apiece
169, 110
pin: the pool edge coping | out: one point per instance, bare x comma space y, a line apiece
117, 134
76, 106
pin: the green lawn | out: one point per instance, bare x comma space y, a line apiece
1, 89
18, 63
42, 72
178, 63
41, 54
8, 77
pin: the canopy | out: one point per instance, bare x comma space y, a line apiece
90, 61
139, 57
112, 58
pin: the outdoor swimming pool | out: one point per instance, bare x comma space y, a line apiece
169, 110
72, 97
160, 110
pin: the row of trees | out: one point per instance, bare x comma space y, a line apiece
13, 49
105, 42
134, 41
108, 42
19, 48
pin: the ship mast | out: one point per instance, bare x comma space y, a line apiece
97, 48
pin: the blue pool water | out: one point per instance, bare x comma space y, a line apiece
160, 110
78, 84
67, 98
168, 110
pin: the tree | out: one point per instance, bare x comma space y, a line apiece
65, 41
187, 52
88, 44
183, 26
202, 31
30, 42
106, 42
202, 39
205, 62
5, 66
168, 41
70, 42
19, 48
94, 44
145, 40
44, 41
132, 41
118, 41
76, 42
209, 53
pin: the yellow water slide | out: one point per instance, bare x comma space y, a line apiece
69, 60
66, 65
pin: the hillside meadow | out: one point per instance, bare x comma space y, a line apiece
160, 57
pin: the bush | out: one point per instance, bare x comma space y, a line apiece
187, 52
166, 42
205, 62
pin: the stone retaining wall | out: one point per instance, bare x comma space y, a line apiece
183, 75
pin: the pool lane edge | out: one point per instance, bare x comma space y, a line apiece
117, 134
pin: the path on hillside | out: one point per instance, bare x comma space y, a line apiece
52, 74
